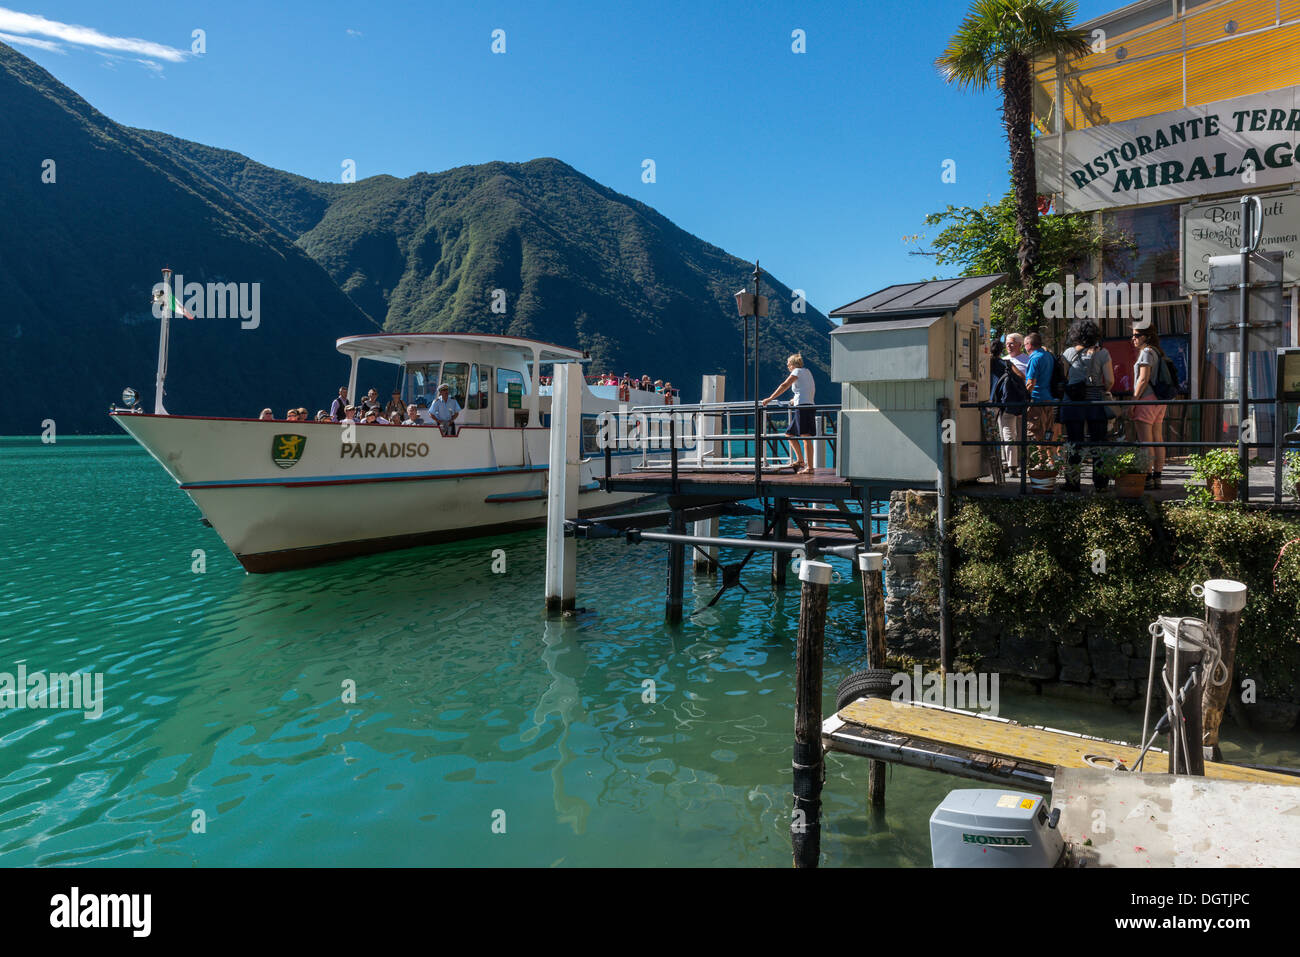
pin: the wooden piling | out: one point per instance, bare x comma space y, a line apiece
780, 560
872, 565
809, 769
1180, 658
1225, 600
676, 570
942, 514
563, 467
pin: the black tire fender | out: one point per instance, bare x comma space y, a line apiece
872, 683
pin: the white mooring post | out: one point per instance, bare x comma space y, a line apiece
563, 467
712, 389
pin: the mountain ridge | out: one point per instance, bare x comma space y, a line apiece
535, 249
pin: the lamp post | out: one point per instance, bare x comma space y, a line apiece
755, 304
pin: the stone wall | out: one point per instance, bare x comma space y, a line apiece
1079, 660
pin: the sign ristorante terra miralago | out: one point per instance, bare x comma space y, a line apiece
1248, 142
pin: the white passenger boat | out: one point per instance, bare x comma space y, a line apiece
290, 494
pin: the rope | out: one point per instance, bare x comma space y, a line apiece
1212, 667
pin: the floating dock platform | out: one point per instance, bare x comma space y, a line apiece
996, 750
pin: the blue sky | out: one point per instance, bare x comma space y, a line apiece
818, 162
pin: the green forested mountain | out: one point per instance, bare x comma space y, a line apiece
79, 256
578, 264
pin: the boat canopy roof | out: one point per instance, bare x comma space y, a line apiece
418, 346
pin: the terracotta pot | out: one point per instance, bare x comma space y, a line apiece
1130, 485
1043, 481
1223, 490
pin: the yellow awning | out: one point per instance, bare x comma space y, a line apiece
1153, 62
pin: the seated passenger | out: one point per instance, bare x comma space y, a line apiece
445, 410
396, 408
349, 416
323, 416
371, 401
267, 415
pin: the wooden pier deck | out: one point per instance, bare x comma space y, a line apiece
994, 750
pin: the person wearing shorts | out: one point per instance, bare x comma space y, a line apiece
803, 420
1149, 420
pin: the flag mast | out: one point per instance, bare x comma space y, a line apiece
163, 332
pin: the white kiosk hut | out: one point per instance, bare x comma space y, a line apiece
897, 354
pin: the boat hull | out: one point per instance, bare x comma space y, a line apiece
330, 493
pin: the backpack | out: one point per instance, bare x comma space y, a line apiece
1165, 382
1060, 376
1009, 393
1078, 391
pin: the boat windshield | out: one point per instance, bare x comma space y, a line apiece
456, 375
421, 382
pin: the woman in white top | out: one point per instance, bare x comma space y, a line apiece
1149, 420
802, 419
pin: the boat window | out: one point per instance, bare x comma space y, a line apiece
456, 375
421, 382
474, 402
507, 376
590, 432
485, 388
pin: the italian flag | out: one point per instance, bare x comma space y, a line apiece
164, 296
177, 308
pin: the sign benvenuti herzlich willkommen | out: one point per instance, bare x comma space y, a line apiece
1245, 142
1214, 229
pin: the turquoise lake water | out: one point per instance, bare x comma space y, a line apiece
224, 695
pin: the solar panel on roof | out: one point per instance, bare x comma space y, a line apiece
940, 295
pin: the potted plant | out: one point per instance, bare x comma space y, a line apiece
1071, 464
1219, 470
1127, 468
1044, 465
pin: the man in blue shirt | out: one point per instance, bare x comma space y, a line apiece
444, 410
1038, 382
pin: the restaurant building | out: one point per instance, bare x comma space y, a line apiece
1180, 108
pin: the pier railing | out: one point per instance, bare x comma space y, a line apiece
720, 436
1281, 444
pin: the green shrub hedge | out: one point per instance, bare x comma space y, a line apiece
1031, 565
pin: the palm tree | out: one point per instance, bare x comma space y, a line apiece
1005, 37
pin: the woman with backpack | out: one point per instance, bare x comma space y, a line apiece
1091, 375
1149, 419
